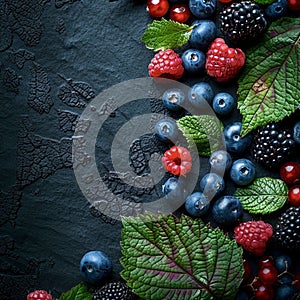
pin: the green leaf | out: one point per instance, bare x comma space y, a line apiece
264, 2
78, 292
205, 131
169, 258
164, 34
269, 84
263, 196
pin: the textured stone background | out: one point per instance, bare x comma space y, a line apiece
56, 55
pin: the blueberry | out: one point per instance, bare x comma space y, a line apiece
95, 266
242, 171
212, 185
202, 8
227, 210
296, 133
285, 278
220, 161
234, 142
276, 9
166, 130
203, 34
285, 292
173, 99
193, 61
242, 295
282, 263
199, 94
196, 204
172, 190
223, 103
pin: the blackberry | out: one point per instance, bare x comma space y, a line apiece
242, 22
115, 290
287, 230
272, 145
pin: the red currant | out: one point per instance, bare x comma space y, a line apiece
290, 172
294, 195
177, 160
268, 275
225, 1
248, 271
157, 8
297, 281
294, 4
180, 13
264, 292
266, 261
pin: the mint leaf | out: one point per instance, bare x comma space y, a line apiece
78, 292
205, 131
169, 258
264, 2
164, 34
269, 84
263, 196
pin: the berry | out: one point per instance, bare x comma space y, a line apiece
285, 292
296, 132
264, 292
227, 210
177, 160
268, 275
290, 172
253, 236
285, 278
248, 270
220, 161
294, 195
242, 22
294, 5
114, 291
272, 145
276, 9
173, 99
180, 13
212, 185
223, 104
242, 295
223, 63
196, 204
234, 142
193, 61
283, 263
202, 9
39, 295
203, 34
166, 64
242, 172
200, 94
95, 266
265, 262
166, 130
157, 8
287, 229
171, 189
297, 280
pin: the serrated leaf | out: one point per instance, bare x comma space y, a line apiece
269, 85
169, 258
264, 2
205, 131
263, 196
78, 292
165, 34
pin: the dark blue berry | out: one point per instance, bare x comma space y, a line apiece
242, 295
285, 278
234, 142
220, 161
196, 204
203, 34
223, 103
202, 8
171, 189
173, 99
283, 263
166, 130
285, 292
242, 171
227, 210
193, 61
276, 9
200, 94
212, 185
296, 132
95, 266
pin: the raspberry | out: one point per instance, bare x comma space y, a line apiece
223, 62
167, 64
253, 236
39, 295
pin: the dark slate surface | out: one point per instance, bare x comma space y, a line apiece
55, 57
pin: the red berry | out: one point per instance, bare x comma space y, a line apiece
253, 236
264, 292
180, 13
294, 4
225, 1
268, 275
248, 270
294, 195
223, 63
297, 280
167, 64
266, 261
290, 172
39, 295
177, 160
157, 8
